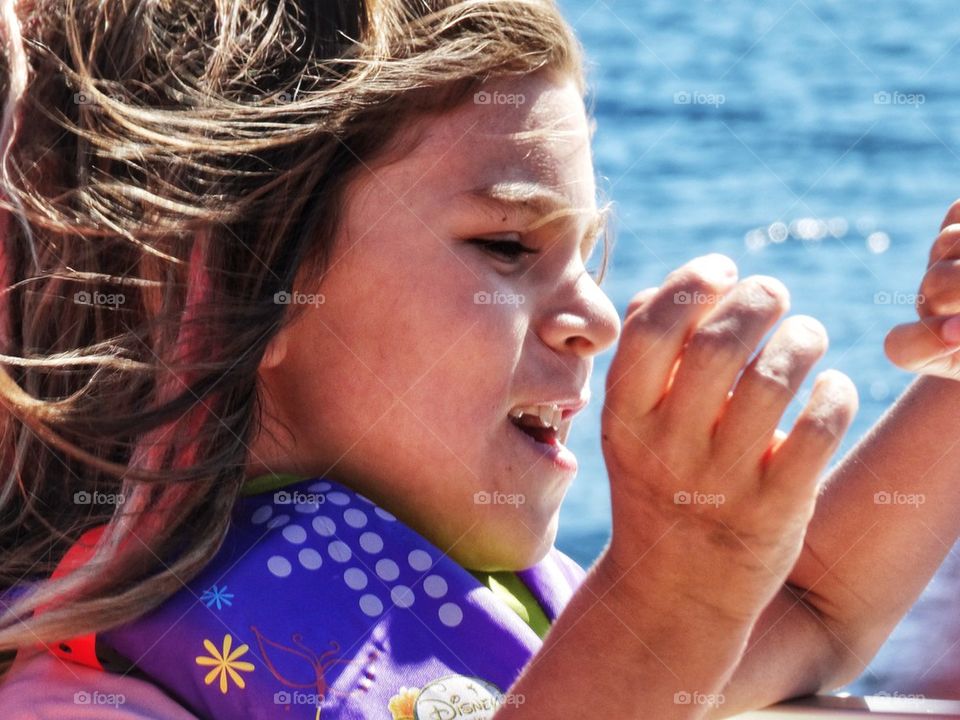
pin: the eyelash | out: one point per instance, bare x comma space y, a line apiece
515, 252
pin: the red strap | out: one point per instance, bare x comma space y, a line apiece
81, 649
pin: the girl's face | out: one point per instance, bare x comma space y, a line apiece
441, 312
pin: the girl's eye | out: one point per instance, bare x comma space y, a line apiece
510, 250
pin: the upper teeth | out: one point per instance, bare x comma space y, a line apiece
549, 415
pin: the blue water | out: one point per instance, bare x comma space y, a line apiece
819, 143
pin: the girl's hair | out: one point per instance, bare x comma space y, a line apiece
167, 167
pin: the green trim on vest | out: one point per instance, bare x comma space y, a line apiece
268, 482
512, 590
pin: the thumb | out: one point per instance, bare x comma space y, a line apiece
924, 346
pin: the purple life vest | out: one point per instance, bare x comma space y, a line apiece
322, 605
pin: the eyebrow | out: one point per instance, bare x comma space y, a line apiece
519, 199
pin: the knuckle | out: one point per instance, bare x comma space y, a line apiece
773, 384
714, 340
707, 351
821, 428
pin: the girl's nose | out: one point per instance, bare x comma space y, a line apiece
580, 318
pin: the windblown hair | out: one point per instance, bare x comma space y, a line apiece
167, 167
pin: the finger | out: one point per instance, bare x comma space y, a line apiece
947, 244
720, 347
639, 300
915, 346
953, 215
793, 470
778, 437
766, 388
940, 289
655, 331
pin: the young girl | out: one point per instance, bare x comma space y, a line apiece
297, 319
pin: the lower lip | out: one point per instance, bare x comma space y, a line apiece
556, 452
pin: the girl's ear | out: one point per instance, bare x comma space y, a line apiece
276, 350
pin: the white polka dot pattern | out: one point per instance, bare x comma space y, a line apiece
310, 558
419, 560
261, 515
295, 534
279, 566
450, 614
371, 605
387, 570
355, 578
371, 542
352, 535
324, 526
435, 586
339, 551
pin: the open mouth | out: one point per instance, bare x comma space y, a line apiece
547, 425
541, 422
533, 426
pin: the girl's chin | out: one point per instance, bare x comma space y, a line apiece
514, 546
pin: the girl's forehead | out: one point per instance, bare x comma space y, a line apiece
528, 130
544, 140
519, 111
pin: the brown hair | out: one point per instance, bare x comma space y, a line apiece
167, 168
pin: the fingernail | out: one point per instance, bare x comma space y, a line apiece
950, 331
716, 267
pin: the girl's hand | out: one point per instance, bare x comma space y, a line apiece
929, 346
697, 467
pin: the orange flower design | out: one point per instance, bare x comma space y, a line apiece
401, 704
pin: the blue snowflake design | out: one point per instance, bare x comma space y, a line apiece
218, 596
